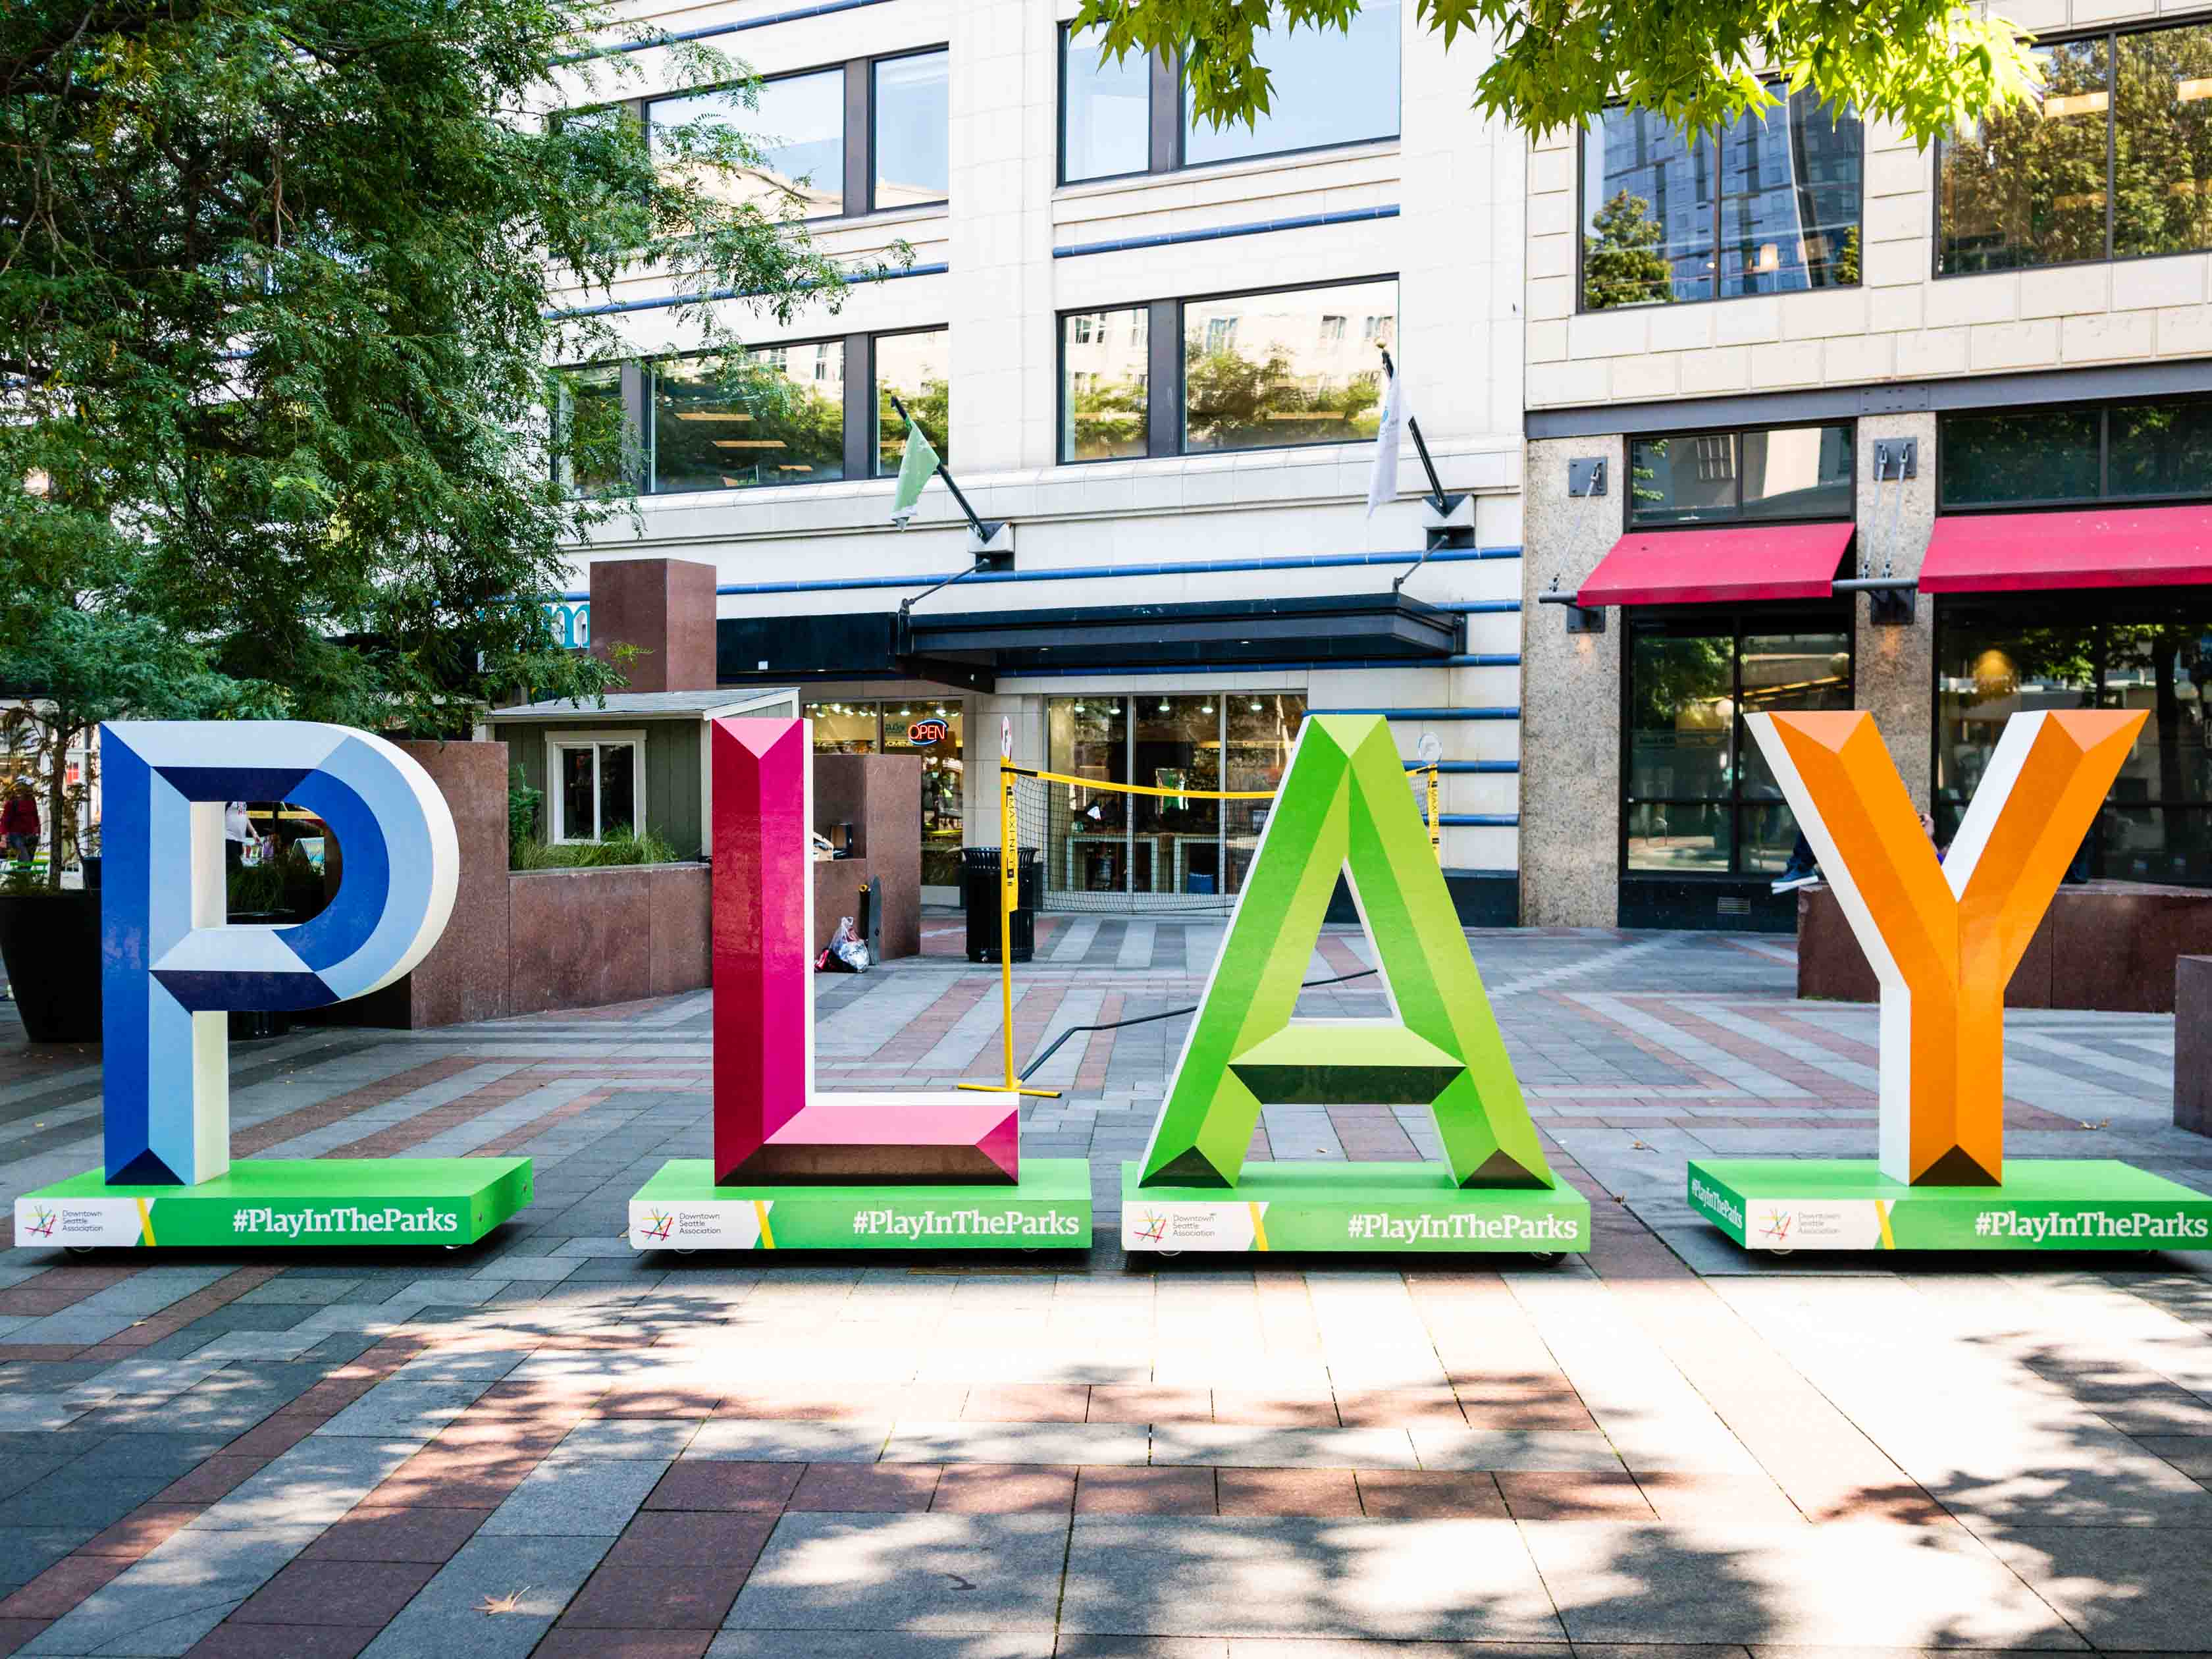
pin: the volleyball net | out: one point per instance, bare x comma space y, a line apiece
1076, 845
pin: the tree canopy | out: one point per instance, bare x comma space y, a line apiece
275, 361
1930, 65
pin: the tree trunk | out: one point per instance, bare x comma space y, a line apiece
56, 793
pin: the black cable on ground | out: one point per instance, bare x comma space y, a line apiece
1145, 1019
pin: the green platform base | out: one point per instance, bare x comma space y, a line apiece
1350, 1206
284, 1201
2045, 1204
681, 1208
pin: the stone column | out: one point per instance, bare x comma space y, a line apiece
1569, 697
1894, 668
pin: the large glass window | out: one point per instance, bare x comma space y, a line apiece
2077, 453
914, 127
1327, 87
772, 415
2113, 159
594, 450
1263, 371
917, 368
1105, 391
1176, 846
1105, 110
798, 128
1699, 800
1788, 472
2153, 653
1769, 204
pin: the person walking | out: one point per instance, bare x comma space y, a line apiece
19, 822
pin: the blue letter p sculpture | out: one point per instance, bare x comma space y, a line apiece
173, 971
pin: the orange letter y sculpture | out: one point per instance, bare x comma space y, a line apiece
1944, 937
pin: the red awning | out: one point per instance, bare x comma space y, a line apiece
1708, 565
2095, 547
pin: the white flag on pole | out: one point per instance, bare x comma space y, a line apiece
1383, 481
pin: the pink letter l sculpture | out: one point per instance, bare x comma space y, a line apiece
770, 1125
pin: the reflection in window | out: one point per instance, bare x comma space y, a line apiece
2081, 453
773, 415
1699, 797
1790, 472
2114, 159
2026, 186
1105, 110
916, 367
798, 129
2032, 455
1103, 396
1327, 87
1769, 204
909, 727
1262, 371
594, 449
914, 127
2153, 654
2162, 142
1186, 849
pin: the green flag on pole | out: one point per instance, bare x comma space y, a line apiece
917, 464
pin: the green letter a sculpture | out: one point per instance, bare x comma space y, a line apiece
1344, 805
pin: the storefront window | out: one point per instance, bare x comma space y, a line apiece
1722, 477
2079, 453
844, 728
1995, 660
1171, 845
932, 732
1700, 800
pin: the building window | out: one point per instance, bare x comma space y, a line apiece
744, 419
594, 442
1270, 375
2111, 160
928, 729
2056, 457
1698, 797
814, 161
1105, 110
2148, 651
1768, 204
1103, 840
1328, 87
1259, 371
798, 127
916, 367
914, 128
1105, 417
597, 784
1728, 477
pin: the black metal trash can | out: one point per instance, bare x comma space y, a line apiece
978, 896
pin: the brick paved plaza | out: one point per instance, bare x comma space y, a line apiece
551, 1445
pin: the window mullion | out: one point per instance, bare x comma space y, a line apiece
1164, 377
860, 158
1164, 139
2112, 139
